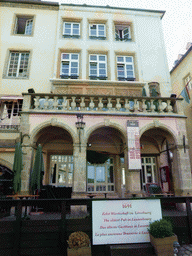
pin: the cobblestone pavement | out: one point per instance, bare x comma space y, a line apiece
185, 250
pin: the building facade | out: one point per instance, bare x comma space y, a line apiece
181, 75
91, 85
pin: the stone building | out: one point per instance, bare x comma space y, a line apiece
91, 85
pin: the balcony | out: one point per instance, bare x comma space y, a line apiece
111, 105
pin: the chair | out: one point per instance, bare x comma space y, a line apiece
153, 189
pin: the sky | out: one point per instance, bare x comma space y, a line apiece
177, 21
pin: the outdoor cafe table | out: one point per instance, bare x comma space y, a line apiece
26, 208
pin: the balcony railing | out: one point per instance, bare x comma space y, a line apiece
104, 104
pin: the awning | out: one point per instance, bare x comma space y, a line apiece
11, 98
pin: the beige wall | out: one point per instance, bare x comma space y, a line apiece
177, 79
41, 45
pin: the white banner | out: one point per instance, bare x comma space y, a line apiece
123, 221
134, 155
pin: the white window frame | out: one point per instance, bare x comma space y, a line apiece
105, 185
70, 60
124, 63
15, 65
120, 34
97, 31
71, 29
28, 25
97, 63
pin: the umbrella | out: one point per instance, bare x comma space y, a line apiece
38, 170
17, 167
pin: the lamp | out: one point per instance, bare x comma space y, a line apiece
80, 126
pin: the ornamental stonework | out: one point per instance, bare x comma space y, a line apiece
99, 91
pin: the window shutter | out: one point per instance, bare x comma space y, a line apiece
117, 34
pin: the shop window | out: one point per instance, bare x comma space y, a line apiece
97, 31
125, 68
18, 65
23, 25
69, 66
97, 67
71, 29
122, 33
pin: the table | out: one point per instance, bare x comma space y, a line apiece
22, 197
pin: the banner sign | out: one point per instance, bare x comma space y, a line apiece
134, 155
123, 221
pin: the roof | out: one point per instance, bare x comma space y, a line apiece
38, 2
182, 58
113, 7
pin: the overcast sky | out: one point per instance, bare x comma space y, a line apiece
177, 21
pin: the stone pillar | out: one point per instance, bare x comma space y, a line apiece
118, 176
134, 181
80, 173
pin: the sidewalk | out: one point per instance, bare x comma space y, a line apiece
185, 250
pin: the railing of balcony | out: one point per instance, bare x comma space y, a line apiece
101, 103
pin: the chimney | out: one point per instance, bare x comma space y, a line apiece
188, 46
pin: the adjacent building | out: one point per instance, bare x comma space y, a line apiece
181, 77
91, 85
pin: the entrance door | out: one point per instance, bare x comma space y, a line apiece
61, 173
100, 177
149, 170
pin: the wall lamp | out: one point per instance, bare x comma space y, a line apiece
80, 126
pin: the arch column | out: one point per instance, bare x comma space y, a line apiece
79, 161
27, 161
182, 172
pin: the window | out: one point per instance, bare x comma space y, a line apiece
122, 33
9, 114
61, 173
97, 31
188, 81
100, 177
23, 25
71, 29
18, 65
69, 65
97, 66
125, 68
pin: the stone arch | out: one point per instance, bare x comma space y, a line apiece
6, 164
160, 126
106, 124
56, 123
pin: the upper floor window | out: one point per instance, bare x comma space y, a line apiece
71, 29
69, 65
122, 33
18, 65
125, 68
188, 82
97, 66
23, 25
97, 31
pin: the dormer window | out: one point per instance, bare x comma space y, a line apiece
69, 66
122, 32
71, 29
97, 31
125, 68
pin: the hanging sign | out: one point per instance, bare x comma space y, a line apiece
134, 155
123, 221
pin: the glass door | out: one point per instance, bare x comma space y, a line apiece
148, 173
61, 173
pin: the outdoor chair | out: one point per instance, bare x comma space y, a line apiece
153, 189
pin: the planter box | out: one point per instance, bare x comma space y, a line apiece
163, 246
84, 251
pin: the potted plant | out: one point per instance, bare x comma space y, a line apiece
162, 237
79, 244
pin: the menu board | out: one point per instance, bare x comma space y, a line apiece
134, 155
123, 221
